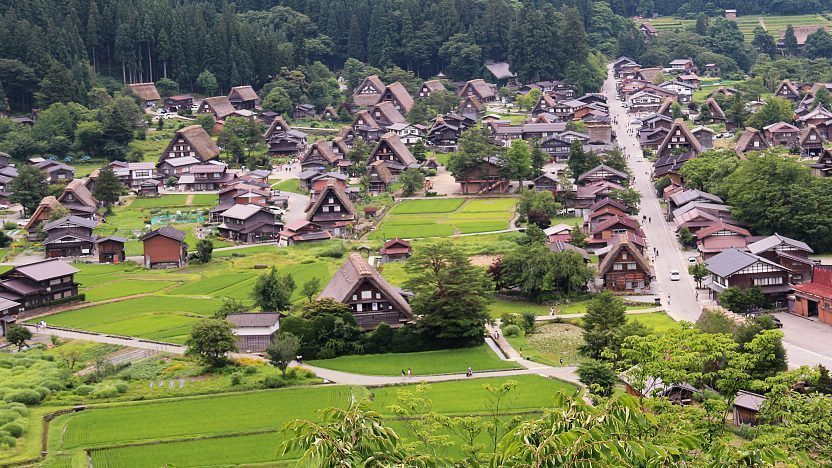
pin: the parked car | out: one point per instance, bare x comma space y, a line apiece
674, 275
691, 260
777, 322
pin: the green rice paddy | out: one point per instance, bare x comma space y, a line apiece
445, 217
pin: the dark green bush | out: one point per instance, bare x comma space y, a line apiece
14, 428
274, 381
26, 396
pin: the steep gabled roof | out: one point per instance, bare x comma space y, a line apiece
780, 127
613, 220
389, 111
324, 149
500, 70
219, 105
200, 141
339, 193
744, 142
364, 117
434, 85
245, 93
789, 86
277, 125
622, 243
355, 270
383, 172
399, 149
679, 125
81, 192
714, 108
607, 201
145, 91
368, 99
400, 93
808, 131
481, 88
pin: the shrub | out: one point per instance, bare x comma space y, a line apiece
9, 225
511, 330
84, 390
333, 251
43, 392
53, 385
24, 395
249, 370
6, 439
121, 386
14, 428
236, 379
274, 381
104, 391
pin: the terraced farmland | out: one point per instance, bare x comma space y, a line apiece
773, 24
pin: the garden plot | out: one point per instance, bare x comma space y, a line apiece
445, 217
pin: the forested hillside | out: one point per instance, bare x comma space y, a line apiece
57, 41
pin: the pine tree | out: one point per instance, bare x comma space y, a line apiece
605, 315
790, 40
28, 188
107, 187
4, 102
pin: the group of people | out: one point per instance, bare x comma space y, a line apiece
40, 326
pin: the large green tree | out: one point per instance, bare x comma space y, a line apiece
602, 323
450, 294
28, 188
272, 291
210, 341
107, 188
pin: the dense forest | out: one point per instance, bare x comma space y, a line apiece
88, 42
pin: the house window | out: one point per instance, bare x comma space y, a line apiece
336, 208
366, 294
631, 266
618, 266
768, 281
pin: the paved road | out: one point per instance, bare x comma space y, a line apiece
347, 378
807, 342
682, 303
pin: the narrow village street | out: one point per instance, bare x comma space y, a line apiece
807, 342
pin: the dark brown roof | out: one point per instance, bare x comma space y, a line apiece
395, 143
744, 142
714, 108
200, 141
480, 87
146, 91
166, 231
339, 193
46, 269
679, 124
349, 276
277, 125
383, 172
324, 149
367, 119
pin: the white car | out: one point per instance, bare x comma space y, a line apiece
674, 275
692, 260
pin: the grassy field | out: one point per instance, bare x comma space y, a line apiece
549, 343
660, 322
774, 24
252, 435
445, 217
448, 361
289, 185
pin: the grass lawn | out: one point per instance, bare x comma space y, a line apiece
660, 322
549, 343
448, 361
445, 217
288, 185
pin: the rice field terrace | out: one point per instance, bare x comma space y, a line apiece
445, 217
773, 24
245, 428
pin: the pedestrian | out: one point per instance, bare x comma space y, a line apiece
299, 358
403, 373
561, 361
470, 372
409, 373
697, 295
650, 219
551, 311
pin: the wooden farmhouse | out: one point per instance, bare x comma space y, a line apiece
429, 87
147, 92
191, 141
165, 248
397, 95
254, 331
624, 268
243, 98
371, 298
813, 299
487, 177
332, 209
248, 224
301, 230
735, 268
70, 236
218, 107
392, 152
478, 88
368, 92
37, 284
395, 250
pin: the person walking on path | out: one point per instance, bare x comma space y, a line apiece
470, 372
551, 311
409, 373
